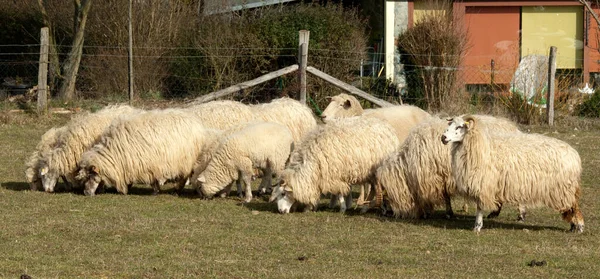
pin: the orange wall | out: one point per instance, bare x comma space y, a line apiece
494, 34
592, 44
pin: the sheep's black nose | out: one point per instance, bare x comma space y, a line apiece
444, 139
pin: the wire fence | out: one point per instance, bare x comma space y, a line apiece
167, 72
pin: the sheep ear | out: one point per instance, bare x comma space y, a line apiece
94, 170
201, 179
347, 104
44, 170
469, 121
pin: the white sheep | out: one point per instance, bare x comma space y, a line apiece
524, 169
418, 177
226, 115
149, 147
79, 135
48, 142
331, 158
403, 118
263, 145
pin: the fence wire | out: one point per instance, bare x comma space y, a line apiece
188, 72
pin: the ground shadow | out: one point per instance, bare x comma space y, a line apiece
465, 222
24, 186
16, 186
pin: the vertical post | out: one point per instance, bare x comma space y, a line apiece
550, 93
42, 98
302, 61
130, 55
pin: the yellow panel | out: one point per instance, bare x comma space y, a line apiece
422, 9
562, 27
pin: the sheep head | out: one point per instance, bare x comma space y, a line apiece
458, 127
283, 194
90, 178
48, 175
342, 105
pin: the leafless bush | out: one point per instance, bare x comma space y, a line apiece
435, 46
158, 27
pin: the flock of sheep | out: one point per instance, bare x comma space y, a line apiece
403, 158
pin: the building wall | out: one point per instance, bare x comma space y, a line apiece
559, 26
493, 36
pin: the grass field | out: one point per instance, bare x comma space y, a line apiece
66, 235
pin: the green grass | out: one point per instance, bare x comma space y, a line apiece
66, 235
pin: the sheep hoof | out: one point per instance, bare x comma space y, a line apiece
223, 195
577, 228
450, 215
521, 218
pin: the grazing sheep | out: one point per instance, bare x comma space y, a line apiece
418, 176
149, 147
263, 145
525, 169
47, 143
79, 135
331, 158
403, 118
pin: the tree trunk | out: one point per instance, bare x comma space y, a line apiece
71, 67
54, 63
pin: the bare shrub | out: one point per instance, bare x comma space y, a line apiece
158, 27
435, 46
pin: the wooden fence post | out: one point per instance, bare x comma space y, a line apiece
130, 55
550, 93
302, 61
42, 98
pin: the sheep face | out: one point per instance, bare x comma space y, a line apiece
456, 131
338, 108
90, 180
204, 187
285, 199
49, 176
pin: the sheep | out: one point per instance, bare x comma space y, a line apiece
149, 147
527, 169
417, 177
263, 145
331, 158
225, 115
79, 135
47, 142
403, 118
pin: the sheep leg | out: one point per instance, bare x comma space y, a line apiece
180, 185
156, 187
370, 197
449, 211
240, 191
522, 213
349, 200
265, 184
478, 219
496, 212
333, 201
248, 182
